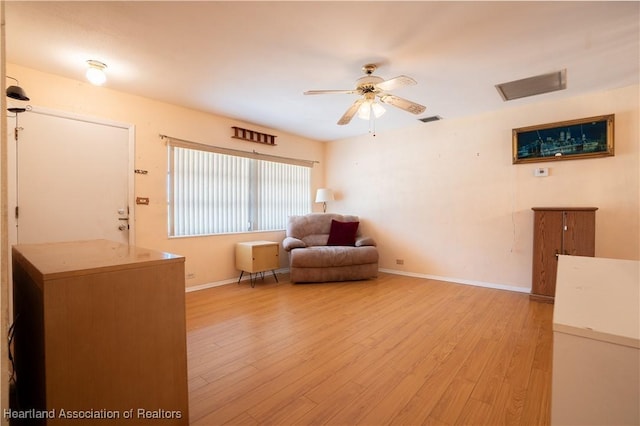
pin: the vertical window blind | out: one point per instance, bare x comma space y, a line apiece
215, 192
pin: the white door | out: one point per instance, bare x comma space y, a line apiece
72, 179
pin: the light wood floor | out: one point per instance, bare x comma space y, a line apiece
396, 350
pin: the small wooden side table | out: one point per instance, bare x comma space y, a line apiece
256, 257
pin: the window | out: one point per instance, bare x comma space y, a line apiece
216, 190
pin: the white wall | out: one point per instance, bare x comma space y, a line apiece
446, 198
442, 196
210, 259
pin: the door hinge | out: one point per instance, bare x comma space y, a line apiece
17, 210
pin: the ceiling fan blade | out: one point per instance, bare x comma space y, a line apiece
329, 92
404, 104
396, 83
347, 116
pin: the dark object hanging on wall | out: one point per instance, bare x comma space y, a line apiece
253, 136
16, 92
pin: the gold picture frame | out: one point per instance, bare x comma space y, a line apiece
565, 140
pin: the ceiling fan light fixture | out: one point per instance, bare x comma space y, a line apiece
372, 87
369, 107
377, 109
95, 72
364, 112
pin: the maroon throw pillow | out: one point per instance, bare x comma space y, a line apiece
342, 233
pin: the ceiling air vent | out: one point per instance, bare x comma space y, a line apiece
533, 85
428, 119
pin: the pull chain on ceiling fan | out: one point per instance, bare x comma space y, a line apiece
371, 87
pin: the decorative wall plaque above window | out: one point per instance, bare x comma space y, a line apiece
253, 136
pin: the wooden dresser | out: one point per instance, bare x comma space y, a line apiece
100, 333
559, 231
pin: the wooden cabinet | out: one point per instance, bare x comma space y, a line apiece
257, 256
100, 333
556, 231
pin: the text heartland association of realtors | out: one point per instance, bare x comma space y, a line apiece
133, 414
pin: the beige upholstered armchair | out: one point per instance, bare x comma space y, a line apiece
329, 247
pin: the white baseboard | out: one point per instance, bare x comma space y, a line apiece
225, 282
388, 271
459, 281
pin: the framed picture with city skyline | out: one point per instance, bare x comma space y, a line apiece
565, 140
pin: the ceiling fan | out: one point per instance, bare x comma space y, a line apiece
371, 87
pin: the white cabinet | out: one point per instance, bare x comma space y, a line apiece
596, 342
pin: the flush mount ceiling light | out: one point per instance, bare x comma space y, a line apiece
95, 72
532, 86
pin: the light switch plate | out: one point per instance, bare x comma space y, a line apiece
541, 171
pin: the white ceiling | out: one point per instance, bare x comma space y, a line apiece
253, 60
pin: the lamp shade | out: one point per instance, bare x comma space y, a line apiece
323, 195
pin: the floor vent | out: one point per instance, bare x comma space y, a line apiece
532, 86
428, 119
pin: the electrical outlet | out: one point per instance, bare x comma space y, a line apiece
399, 261
541, 171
